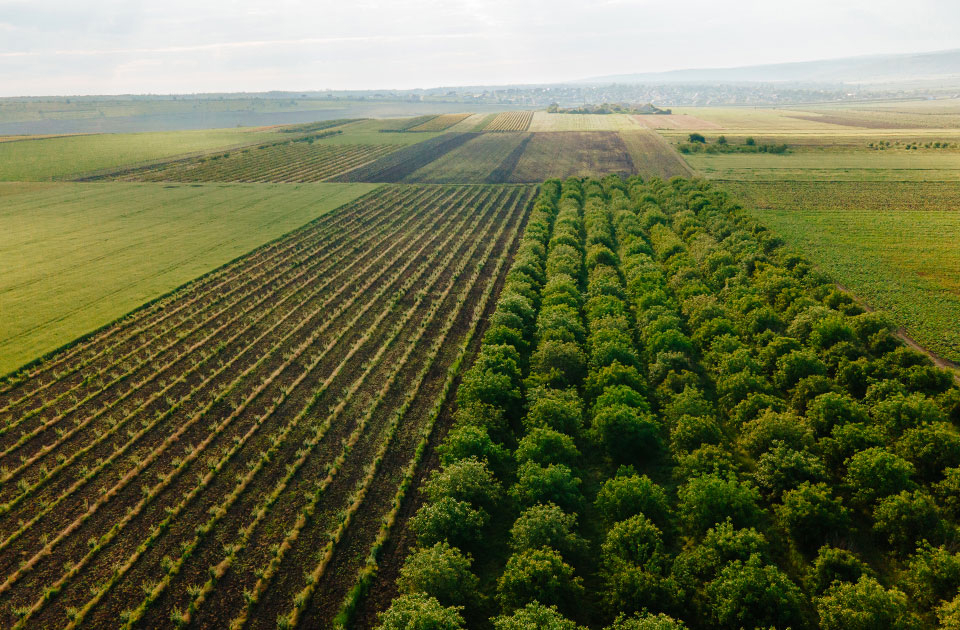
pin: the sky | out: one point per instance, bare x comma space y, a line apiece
69, 47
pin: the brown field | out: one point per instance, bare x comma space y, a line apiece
653, 156
567, 153
230, 453
510, 121
675, 121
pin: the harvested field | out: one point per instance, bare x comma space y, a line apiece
653, 156
400, 164
544, 121
475, 161
228, 455
510, 121
675, 121
567, 153
440, 123
290, 162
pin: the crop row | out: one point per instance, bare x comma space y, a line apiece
281, 163
395, 166
440, 123
230, 413
510, 121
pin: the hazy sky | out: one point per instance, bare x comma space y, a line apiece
164, 46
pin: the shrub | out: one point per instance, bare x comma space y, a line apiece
624, 496
419, 612
647, 621
538, 575
547, 484
811, 514
447, 519
711, 499
534, 616
833, 566
546, 526
754, 595
865, 605
440, 571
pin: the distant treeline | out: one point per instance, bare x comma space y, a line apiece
608, 108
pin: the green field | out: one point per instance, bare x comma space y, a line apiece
65, 157
894, 255
76, 256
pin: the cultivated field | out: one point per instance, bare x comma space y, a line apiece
652, 155
287, 162
489, 157
543, 121
697, 436
440, 123
572, 153
398, 165
894, 245
65, 157
674, 121
119, 245
259, 421
510, 121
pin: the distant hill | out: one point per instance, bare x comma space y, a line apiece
869, 69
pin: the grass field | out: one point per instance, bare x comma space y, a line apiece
852, 165
277, 410
543, 121
119, 245
567, 153
65, 157
892, 244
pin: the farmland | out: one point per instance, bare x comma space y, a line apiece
895, 246
119, 245
326, 340
289, 161
543, 121
510, 121
692, 418
398, 165
440, 123
564, 154
475, 161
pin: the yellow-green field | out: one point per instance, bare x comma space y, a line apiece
77, 256
542, 121
892, 244
69, 156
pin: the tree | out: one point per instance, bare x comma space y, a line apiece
948, 492
546, 525
696, 137
783, 468
949, 615
545, 447
797, 365
834, 566
466, 442
647, 621
691, 432
538, 575
811, 514
931, 448
865, 605
759, 435
627, 495
626, 433
752, 594
557, 409
899, 413
547, 484
534, 616
906, 518
449, 520
635, 541
876, 473
711, 499
558, 364
466, 480
440, 571
932, 575
829, 410
419, 612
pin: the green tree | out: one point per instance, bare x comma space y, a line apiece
627, 495
545, 447
711, 499
752, 594
420, 612
534, 616
440, 571
627, 434
546, 525
906, 518
864, 605
834, 566
931, 448
647, 621
876, 473
932, 575
471, 442
547, 484
538, 575
449, 520
466, 480
812, 514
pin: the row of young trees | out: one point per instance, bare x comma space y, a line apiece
673, 417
